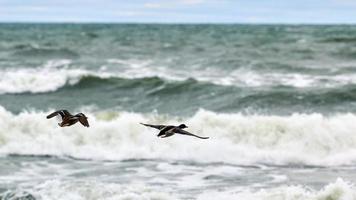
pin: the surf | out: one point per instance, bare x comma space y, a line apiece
299, 139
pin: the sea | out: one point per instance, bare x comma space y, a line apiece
277, 101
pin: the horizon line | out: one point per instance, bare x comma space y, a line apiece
179, 23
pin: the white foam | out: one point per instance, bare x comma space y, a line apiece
134, 68
52, 76
56, 74
234, 138
37, 80
298, 80
340, 190
91, 190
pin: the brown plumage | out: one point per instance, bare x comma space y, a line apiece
69, 119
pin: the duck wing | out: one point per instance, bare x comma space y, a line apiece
62, 113
167, 131
83, 120
159, 127
183, 132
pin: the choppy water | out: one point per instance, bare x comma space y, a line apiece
278, 103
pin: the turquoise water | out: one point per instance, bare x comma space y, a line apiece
277, 102
223, 68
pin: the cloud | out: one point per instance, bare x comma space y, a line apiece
153, 5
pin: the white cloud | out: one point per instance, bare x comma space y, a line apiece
153, 5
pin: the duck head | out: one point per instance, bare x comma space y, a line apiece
182, 126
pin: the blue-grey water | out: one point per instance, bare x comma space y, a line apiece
277, 101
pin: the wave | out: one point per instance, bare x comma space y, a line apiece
76, 190
50, 77
340, 40
37, 80
122, 92
339, 190
55, 189
48, 53
298, 139
49, 80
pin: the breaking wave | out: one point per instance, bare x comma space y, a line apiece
54, 189
35, 81
77, 190
51, 78
298, 139
48, 80
339, 190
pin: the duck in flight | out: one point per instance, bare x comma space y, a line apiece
167, 131
69, 119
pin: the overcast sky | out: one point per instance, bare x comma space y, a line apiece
180, 11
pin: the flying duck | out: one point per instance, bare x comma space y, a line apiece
69, 119
167, 131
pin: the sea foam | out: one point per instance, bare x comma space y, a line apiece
56, 74
339, 190
299, 139
76, 190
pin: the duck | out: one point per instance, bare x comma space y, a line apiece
169, 130
69, 119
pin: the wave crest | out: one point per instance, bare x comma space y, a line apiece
51, 78
339, 190
235, 138
37, 80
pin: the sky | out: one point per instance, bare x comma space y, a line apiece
180, 11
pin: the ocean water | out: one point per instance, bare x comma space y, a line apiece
277, 101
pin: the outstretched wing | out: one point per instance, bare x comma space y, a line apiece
159, 127
62, 113
84, 121
183, 132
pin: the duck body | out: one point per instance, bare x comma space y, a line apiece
169, 130
69, 119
